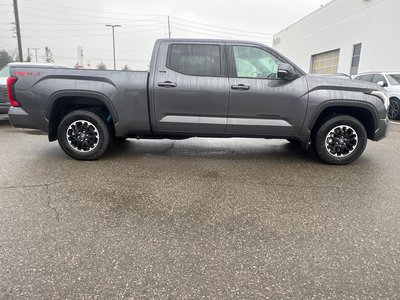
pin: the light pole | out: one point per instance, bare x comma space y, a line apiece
36, 49
17, 26
113, 26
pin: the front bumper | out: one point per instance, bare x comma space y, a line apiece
382, 130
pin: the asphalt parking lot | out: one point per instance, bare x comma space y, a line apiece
200, 218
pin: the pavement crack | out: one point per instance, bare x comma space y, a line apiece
28, 186
49, 203
46, 185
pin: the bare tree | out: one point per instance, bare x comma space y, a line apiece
101, 66
48, 55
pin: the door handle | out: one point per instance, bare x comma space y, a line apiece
167, 84
241, 87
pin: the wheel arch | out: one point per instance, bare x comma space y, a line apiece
366, 114
63, 102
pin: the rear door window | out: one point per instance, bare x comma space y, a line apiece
195, 59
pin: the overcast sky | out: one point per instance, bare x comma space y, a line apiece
63, 25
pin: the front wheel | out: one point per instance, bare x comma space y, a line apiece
84, 135
340, 140
394, 109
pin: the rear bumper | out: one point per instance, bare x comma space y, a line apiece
382, 130
20, 118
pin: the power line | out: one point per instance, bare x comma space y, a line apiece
94, 10
225, 36
158, 25
199, 24
73, 14
91, 35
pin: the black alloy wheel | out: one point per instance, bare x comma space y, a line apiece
84, 135
340, 140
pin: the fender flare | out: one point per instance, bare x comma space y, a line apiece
80, 94
343, 103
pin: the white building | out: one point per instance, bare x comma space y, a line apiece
345, 36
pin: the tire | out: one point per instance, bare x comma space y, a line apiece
394, 109
340, 140
84, 135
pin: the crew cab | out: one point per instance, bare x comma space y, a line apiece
200, 88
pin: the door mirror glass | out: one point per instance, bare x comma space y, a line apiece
287, 72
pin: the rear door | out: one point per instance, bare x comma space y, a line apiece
261, 103
190, 88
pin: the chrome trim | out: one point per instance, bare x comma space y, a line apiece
193, 120
258, 122
225, 121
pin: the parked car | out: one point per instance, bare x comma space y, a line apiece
5, 73
4, 103
336, 75
390, 81
200, 88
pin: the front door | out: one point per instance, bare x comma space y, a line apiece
261, 104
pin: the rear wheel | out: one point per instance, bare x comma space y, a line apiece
84, 135
340, 140
394, 109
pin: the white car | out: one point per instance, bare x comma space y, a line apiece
5, 73
390, 81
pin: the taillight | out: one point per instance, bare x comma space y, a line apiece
10, 91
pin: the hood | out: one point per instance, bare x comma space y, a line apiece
340, 84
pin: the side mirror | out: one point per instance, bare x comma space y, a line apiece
382, 83
287, 72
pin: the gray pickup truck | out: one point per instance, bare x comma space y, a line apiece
200, 88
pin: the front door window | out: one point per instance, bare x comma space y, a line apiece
252, 62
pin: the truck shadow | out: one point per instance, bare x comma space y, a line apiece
235, 148
4, 122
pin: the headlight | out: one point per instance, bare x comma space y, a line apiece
383, 96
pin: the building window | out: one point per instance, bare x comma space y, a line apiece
193, 59
355, 62
325, 63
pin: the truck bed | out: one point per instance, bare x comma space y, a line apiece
125, 92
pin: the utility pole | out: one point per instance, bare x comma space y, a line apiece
21, 58
36, 49
169, 28
113, 26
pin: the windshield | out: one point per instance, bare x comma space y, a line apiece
5, 72
394, 79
